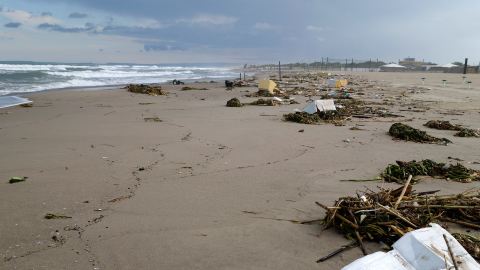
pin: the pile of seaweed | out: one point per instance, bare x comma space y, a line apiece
302, 118
346, 108
446, 125
234, 102
408, 133
400, 171
153, 90
467, 132
386, 215
263, 93
264, 102
188, 88
442, 125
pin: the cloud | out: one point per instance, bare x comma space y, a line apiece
314, 28
77, 15
263, 26
28, 18
46, 13
58, 28
13, 25
208, 19
151, 47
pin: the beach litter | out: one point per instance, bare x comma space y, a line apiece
152, 119
153, 90
55, 216
234, 102
339, 111
407, 133
386, 215
9, 101
428, 248
400, 171
17, 179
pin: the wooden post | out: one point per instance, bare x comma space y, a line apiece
279, 71
465, 66
352, 66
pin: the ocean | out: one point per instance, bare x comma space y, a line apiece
25, 77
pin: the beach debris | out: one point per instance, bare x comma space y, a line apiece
339, 111
388, 214
400, 171
427, 248
407, 133
234, 102
188, 88
467, 132
470, 243
318, 106
153, 90
446, 125
337, 83
264, 102
17, 179
55, 216
302, 118
152, 119
229, 85
442, 125
177, 82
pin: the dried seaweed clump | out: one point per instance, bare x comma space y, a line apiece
399, 172
264, 102
153, 90
442, 125
302, 118
188, 88
467, 132
386, 215
234, 102
408, 133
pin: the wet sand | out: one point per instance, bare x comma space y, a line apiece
208, 187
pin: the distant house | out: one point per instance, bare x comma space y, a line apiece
392, 68
447, 68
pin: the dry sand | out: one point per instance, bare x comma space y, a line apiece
209, 187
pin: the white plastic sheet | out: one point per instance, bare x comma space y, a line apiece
9, 101
422, 249
322, 105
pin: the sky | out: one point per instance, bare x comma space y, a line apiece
242, 31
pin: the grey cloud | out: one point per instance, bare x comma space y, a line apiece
13, 25
62, 29
77, 15
151, 47
46, 13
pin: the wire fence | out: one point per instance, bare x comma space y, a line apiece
329, 64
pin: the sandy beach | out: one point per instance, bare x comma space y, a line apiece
205, 186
